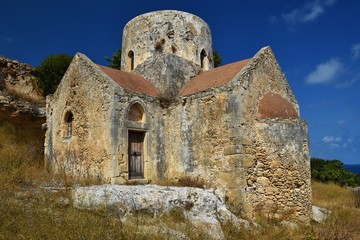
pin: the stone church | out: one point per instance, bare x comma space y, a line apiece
168, 114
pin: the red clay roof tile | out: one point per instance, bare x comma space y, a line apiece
130, 81
213, 78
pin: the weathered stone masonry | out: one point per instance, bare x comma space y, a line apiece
168, 114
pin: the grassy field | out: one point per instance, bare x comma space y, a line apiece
29, 209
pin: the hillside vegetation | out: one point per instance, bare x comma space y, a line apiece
327, 171
37, 205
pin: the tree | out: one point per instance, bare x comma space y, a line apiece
50, 72
332, 171
217, 58
115, 61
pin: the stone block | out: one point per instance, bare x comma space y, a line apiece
261, 190
260, 165
123, 167
248, 160
246, 141
263, 181
231, 180
278, 172
234, 161
118, 180
231, 150
275, 163
271, 190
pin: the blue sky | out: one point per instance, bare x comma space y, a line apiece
316, 42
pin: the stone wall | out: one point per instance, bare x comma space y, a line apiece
151, 125
99, 144
218, 135
168, 73
276, 165
89, 150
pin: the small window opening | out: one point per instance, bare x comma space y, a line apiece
131, 58
202, 58
136, 113
69, 118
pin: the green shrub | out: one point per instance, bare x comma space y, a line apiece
332, 171
50, 72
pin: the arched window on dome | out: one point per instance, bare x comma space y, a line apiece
131, 60
204, 62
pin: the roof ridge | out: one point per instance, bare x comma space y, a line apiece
213, 78
130, 81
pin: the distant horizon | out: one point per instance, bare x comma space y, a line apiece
354, 168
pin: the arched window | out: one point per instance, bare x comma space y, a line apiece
136, 113
131, 60
203, 60
69, 119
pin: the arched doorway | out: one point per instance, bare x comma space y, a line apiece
136, 143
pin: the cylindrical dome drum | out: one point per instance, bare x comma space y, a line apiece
171, 32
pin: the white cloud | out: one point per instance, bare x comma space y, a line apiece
355, 51
326, 72
331, 139
313, 12
334, 145
348, 142
334, 142
308, 12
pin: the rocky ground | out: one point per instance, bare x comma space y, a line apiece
19, 94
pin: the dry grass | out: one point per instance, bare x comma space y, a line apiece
342, 224
21, 154
344, 220
332, 196
357, 197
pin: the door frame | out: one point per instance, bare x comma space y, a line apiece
130, 131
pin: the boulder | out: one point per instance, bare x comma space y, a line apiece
320, 214
201, 207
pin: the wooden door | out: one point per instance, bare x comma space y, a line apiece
136, 154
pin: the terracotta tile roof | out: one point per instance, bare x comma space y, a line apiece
213, 78
130, 81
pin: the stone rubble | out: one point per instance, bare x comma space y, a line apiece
18, 91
